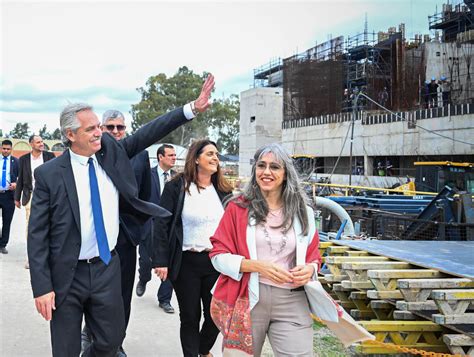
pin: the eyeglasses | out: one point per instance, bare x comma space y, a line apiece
111, 127
273, 166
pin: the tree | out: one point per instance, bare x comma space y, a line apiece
162, 94
56, 135
44, 133
20, 131
224, 114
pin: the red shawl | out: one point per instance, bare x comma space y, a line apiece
230, 306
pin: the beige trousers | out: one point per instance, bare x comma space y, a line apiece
284, 316
28, 211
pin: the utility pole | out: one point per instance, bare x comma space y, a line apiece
355, 112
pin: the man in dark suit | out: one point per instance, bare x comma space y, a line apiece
74, 226
113, 122
9, 165
160, 174
26, 181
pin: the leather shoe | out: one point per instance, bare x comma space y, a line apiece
141, 287
86, 339
121, 352
166, 306
3, 250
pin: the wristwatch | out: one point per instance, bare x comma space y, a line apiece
193, 109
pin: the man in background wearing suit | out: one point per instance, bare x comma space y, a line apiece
160, 174
74, 225
113, 122
9, 165
26, 180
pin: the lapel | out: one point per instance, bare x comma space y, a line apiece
70, 183
13, 169
28, 167
111, 170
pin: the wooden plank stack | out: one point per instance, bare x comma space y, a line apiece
401, 303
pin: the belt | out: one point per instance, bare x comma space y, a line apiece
300, 288
197, 252
96, 259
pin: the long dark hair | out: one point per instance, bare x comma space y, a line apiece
190, 173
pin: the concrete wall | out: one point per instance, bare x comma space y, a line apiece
261, 114
451, 60
388, 139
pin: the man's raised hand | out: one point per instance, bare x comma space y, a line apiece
202, 103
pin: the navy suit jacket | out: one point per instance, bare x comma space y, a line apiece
54, 231
133, 229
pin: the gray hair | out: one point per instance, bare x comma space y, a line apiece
294, 198
111, 114
68, 119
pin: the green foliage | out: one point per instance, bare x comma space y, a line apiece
20, 131
56, 135
46, 135
224, 115
43, 132
162, 94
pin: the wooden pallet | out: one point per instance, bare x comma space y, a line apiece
453, 305
460, 344
423, 335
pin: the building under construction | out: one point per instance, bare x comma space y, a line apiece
310, 101
386, 66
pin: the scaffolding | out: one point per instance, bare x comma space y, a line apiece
313, 81
395, 72
269, 75
456, 20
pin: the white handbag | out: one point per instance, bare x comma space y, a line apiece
322, 305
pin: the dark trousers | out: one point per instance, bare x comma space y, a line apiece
94, 293
144, 271
128, 263
193, 285
7, 204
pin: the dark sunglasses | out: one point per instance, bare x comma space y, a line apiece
111, 127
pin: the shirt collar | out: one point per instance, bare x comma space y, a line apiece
82, 160
161, 171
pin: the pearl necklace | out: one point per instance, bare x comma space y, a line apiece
282, 243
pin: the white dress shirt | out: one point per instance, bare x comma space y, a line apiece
35, 163
109, 198
202, 212
161, 176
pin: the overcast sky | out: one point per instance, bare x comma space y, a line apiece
99, 52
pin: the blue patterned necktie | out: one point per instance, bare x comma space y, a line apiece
101, 235
4, 173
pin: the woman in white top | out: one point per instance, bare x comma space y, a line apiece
182, 245
266, 248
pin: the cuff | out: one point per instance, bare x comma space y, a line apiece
228, 264
187, 111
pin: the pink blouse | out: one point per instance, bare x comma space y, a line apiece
275, 246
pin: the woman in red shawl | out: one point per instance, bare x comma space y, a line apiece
266, 249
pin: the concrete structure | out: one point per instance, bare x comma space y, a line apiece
454, 61
384, 136
261, 114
